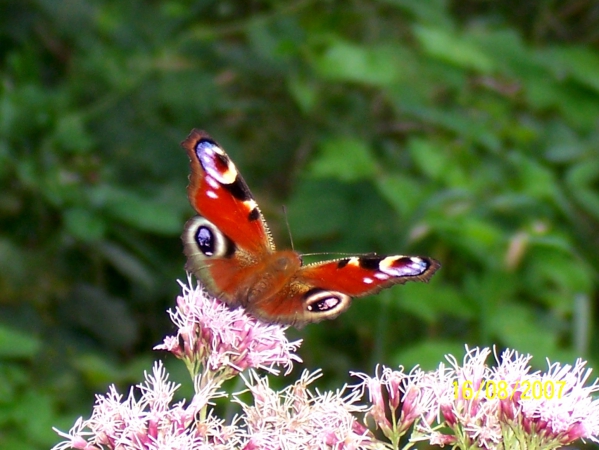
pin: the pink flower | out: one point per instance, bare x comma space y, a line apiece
297, 418
511, 405
562, 409
221, 342
151, 422
397, 399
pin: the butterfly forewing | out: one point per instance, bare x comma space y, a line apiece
365, 275
220, 194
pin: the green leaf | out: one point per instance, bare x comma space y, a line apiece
108, 318
303, 91
402, 191
13, 377
558, 276
473, 236
13, 263
578, 63
318, 209
518, 328
126, 263
38, 426
563, 143
428, 12
97, 370
14, 344
427, 354
430, 304
70, 134
473, 129
344, 158
544, 93
141, 212
535, 179
583, 179
430, 159
462, 51
84, 224
346, 61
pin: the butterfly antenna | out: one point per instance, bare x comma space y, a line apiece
288, 227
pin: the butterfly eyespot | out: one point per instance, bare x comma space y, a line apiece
215, 162
206, 240
220, 168
405, 266
324, 304
320, 301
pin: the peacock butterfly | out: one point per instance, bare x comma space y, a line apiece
229, 248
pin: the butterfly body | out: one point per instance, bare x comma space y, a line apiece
230, 249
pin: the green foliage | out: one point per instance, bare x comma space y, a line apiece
394, 126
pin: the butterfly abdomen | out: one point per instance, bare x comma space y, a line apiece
271, 275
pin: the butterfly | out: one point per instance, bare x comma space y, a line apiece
229, 248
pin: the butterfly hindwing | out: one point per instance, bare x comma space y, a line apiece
324, 290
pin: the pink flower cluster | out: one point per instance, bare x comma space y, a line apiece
151, 422
468, 405
219, 342
296, 418
477, 406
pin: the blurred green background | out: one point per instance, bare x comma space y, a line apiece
467, 131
